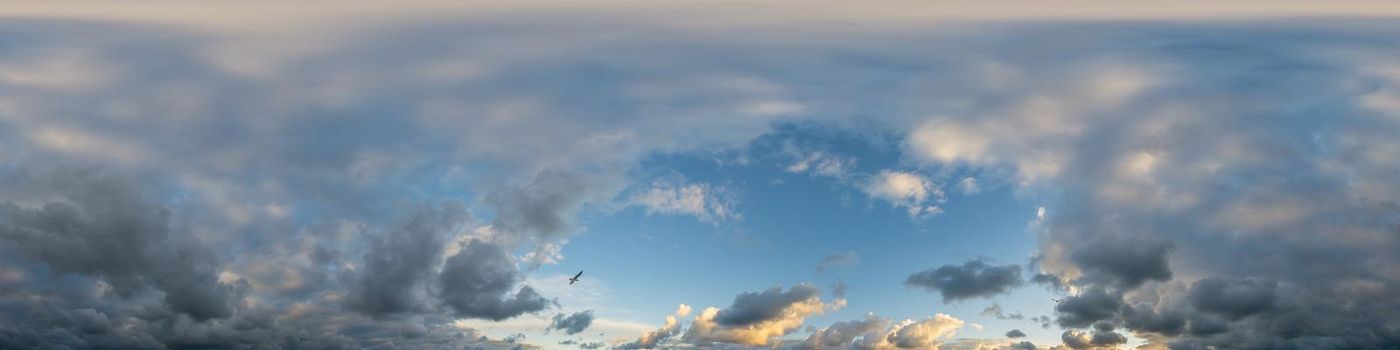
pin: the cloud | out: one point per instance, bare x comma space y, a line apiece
821, 164
704, 202
542, 209
876, 333
973, 279
969, 186
1015, 333
1123, 262
396, 272
843, 334
100, 225
1233, 299
1264, 159
573, 324
477, 282
750, 308
1091, 306
915, 193
926, 333
996, 312
649, 340
1096, 340
841, 259
759, 318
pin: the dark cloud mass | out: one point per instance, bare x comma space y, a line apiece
972, 279
400, 265
1234, 299
574, 323
1123, 262
1015, 333
476, 283
101, 226
1087, 308
750, 307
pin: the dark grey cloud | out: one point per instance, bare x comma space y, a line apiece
1125, 262
1206, 325
1015, 333
101, 225
972, 279
1025, 345
1233, 299
592, 345
574, 323
1143, 318
401, 264
750, 307
1085, 309
476, 283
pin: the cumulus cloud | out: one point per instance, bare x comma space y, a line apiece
750, 308
1015, 333
973, 279
758, 318
917, 194
1125, 262
477, 283
100, 225
1095, 340
396, 272
1233, 299
845, 334
649, 340
926, 333
574, 323
1025, 345
874, 332
1091, 306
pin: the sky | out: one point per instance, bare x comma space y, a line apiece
726, 175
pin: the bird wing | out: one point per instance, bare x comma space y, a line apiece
580, 273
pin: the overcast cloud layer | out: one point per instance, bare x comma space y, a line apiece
1205, 184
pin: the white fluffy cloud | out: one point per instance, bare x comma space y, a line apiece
917, 194
707, 203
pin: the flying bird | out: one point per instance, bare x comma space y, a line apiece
1057, 301
575, 278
